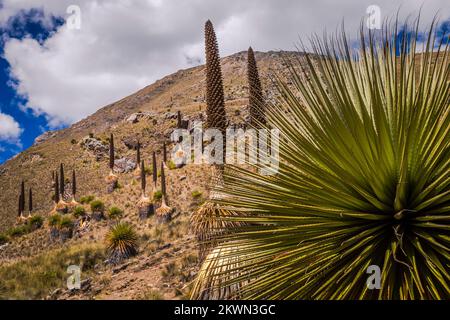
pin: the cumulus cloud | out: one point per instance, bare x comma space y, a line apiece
124, 45
10, 130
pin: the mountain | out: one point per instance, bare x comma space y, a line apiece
166, 251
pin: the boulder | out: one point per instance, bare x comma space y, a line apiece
124, 165
95, 146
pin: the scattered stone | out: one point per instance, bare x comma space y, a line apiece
138, 116
145, 211
130, 143
121, 267
182, 178
44, 137
124, 165
171, 115
85, 285
98, 215
95, 146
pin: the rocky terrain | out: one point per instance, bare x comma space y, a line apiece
167, 259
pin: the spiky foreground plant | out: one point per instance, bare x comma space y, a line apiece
121, 241
255, 98
363, 180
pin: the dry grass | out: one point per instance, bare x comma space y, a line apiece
36, 277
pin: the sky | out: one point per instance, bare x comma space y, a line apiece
61, 60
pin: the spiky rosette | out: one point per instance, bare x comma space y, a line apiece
121, 241
210, 222
164, 213
111, 181
255, 98
146, 207
363, 178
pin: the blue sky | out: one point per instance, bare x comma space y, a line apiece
52, 76
25, 24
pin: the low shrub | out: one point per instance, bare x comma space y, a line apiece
79, 211
196, 194
53, 220
157, 195
97, 206
87, 199
66, 223
171, 165
115, 212
36, 222
3, 238
19, 230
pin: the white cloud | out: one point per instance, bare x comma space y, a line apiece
124, 45
10, 130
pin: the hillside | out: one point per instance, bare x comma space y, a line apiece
167, 257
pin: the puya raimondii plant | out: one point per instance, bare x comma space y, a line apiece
363, 178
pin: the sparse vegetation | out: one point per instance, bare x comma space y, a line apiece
196, 194
157, 195
3, 239
171, 165
79, 211
66, 223
151, 295
115, 213
35, 222
87, 199
97, 206
19, 230
53, 220
36, 277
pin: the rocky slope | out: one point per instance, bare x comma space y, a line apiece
167, 259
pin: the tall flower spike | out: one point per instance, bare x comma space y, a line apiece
30, 201
163, 182
22, 192
56, 188
155, 169
61, 181
138, 153
111, 152
143, 181
215, 102
74, 184
255, 99
19, 211
164, 152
